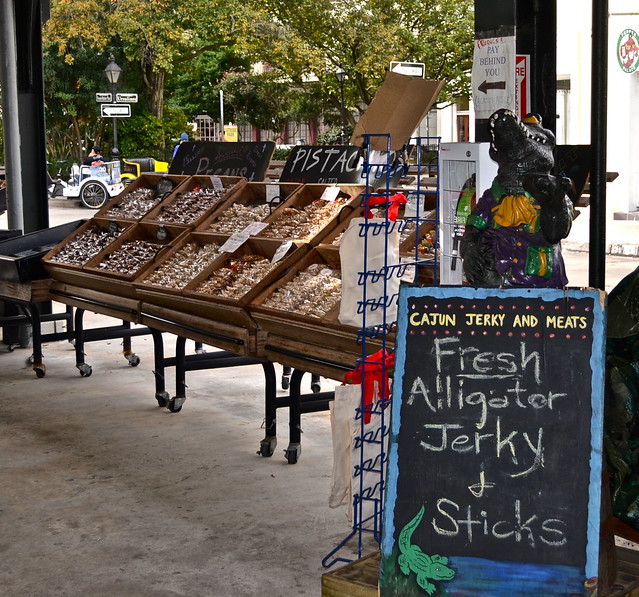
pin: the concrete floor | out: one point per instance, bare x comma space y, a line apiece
104, 494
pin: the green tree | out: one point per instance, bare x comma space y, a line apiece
194, 89
268, 101
72, 114
310, 39
157, 35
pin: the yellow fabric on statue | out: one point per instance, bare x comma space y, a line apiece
515, 211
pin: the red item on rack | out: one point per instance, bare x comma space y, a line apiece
393, 201
373, 369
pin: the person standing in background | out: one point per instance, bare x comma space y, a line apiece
183, 137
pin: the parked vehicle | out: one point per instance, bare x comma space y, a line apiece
94, 185
133, 167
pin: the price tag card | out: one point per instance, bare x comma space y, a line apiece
254, 228
410, 209
273, 193
330, 193
216, 181
282, 250
235, 241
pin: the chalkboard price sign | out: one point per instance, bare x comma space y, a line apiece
494, 470
328, 164
249, 159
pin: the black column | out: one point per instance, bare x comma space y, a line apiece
28, 27
537, 36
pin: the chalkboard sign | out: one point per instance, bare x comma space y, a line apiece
247, 159
494, 469
327, 164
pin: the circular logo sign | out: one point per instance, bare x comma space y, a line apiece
628, 50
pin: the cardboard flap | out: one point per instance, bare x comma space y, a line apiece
397, 108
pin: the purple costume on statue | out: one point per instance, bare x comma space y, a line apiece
522, 256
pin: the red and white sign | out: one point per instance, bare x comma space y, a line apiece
522, 84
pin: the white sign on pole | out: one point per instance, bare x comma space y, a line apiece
412, 69
493, 77
115, 110
103, 97
126, 97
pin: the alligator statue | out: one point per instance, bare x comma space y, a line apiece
513, 235
413, 559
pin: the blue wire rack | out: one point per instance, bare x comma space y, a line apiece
378, 175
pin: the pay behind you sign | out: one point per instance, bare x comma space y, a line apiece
494, 470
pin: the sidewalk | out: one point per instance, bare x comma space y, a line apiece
622, 236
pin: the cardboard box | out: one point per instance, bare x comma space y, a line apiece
398, 107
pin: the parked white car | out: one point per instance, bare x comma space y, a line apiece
94, 185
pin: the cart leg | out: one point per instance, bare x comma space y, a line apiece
286, 374
33, 315
175, 403
268, 444
85, 370
161, 395
294, 449
315, 383
127, 351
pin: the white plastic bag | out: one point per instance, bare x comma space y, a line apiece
349, 477
369, 246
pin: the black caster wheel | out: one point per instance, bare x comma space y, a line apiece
40, 371
315, 388
85, 370
134, 359
293, 453
175, 404
286, 382
162, 398
267, 447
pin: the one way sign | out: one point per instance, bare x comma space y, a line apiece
115, 110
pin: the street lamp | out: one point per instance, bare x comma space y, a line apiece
112, 72
340, 74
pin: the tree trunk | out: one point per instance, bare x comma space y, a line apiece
155, 84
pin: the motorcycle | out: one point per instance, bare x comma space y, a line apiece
55, 186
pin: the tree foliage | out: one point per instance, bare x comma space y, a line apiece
307, 38
268, 101
180, 53
157, 35
195, 88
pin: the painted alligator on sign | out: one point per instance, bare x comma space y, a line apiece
413, 559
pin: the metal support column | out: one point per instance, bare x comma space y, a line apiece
598, 141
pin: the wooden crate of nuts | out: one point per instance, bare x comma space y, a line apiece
128, 257
255, 202
197, 199
223, 290
303, 306
312, 212
163, 282
65, 261
141, 196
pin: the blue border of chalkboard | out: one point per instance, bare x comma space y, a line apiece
597, 365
